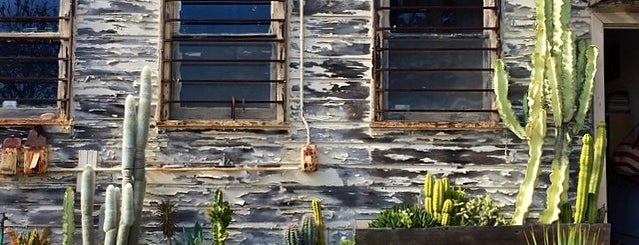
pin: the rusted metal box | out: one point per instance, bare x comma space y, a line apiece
35, 153
10, 155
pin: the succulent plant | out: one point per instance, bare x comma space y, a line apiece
220, 215
480, 211
167, 213
404, 216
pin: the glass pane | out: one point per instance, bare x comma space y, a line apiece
446, 13
223, 50
225, 92
35, 78
408, 101
218, 64
23, 8
222, 16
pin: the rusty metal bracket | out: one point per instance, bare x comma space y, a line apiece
35, 152
309, 158
10, 155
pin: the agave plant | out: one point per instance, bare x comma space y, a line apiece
167, 213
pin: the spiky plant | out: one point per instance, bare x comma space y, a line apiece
167, 213
31, 238
68, 217
220, 215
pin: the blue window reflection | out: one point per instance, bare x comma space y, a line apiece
222, 16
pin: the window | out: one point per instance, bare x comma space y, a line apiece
224, 60
35, 61
433, 60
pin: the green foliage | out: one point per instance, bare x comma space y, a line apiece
404, 216
167, 213
220, 215
577, 234
438, 192
68, 217
193, 236
480, 211
344, 241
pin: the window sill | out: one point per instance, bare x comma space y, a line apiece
490, 125
222, 124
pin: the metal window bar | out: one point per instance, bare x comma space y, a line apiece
381, 69
63, 60
170, 39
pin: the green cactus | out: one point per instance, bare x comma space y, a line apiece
141, 138
309, 231
86, 201
447, 209
316, 204
557, 84
585, 162
220, 215
126, 215
110, 226
291, 236
596, 171
429, 181
68, 217
480, 211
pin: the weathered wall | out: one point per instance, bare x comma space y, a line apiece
362, 169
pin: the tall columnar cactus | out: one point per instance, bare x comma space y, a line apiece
68, 217
309, 232
220, 214
141, 138
316, 204
558, 84
591, 164
437, 193
86, 201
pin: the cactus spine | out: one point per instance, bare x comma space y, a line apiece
316, 204
556, 83
86, 201
68, 223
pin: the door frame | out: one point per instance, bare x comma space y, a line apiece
601, 20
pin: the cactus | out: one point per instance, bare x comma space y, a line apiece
68, 222
86, 201
126, 215
309, 231
428, 192
596, 171
141, 138
291, 237
316, 204
220, 215
447, 208
585, 161
556, 84
110, 226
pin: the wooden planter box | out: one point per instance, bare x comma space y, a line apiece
462, 235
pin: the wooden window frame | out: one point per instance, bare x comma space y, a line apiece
278, 38
382, 30
62, 112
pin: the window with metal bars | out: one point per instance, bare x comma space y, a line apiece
223, 60
433, 60
35, 63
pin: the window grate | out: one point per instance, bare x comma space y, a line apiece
223, 60
35, 60
432, 60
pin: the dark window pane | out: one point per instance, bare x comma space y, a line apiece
24, 8
417, 100
33, 78
225, 13
223, 50
436, 14
239, 64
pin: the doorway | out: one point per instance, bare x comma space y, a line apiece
621, 98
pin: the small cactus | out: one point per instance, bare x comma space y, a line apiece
220, 214
292, 237
447, 208
316, 204
68, 222
86, 201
